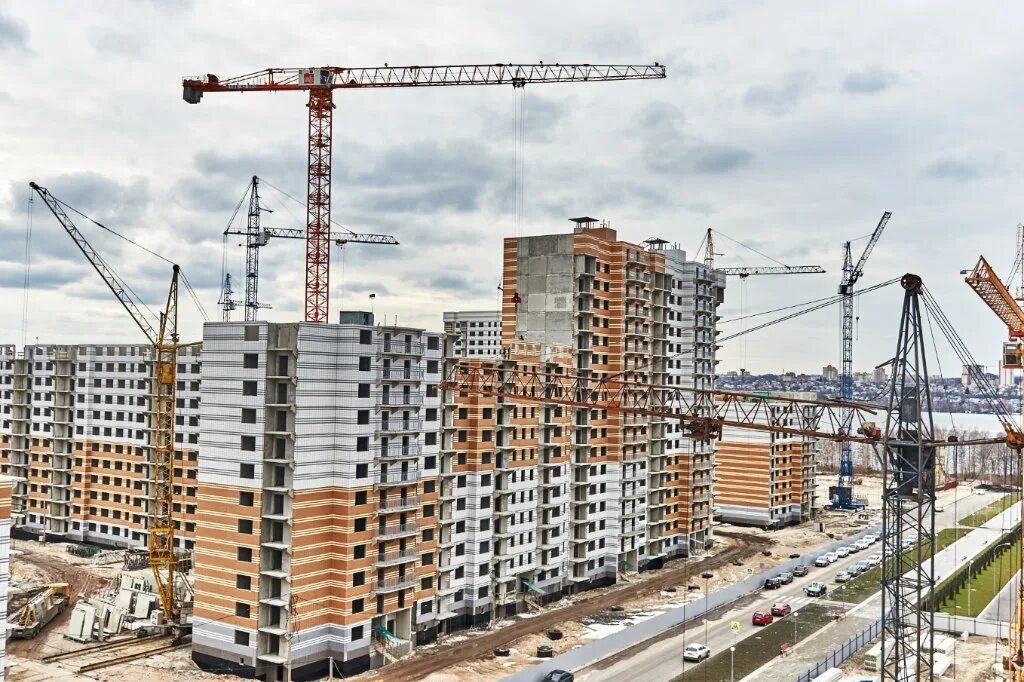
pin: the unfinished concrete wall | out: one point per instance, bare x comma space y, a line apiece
545, 275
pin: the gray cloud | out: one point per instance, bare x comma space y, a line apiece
780, 98
115, 43
869, 81
667, 149
13, 35
950, 168
454, 283
715, 159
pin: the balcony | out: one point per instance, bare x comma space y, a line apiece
401, 450
393, 584
398, 503
399, 399
398, 477
399, 347
397, 426
399, 374
400, 556
397, 530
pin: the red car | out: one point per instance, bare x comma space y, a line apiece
762, 618
781, 609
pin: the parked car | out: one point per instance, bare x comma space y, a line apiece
863, 543
854, 570
863, 565
843, 577
875, 559
816, 589
832, 557
822, 561
843, 552
781, 608
772, 583
762, 618
696, 652
786, 577
559, 676
800, 570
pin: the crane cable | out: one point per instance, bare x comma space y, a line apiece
181, 271
28, 269
988, 392
826, 302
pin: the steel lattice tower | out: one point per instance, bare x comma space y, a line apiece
908, 503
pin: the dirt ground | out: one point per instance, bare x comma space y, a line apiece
973, 660
37, 564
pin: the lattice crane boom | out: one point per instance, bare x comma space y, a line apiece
322, 81
164, 339
774, 270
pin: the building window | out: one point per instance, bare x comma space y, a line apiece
362, 443
359, 552
245, 554
241, 636
360, 497
432, 343
250, 360
248, 443
357, 604
357, 633
247, 470
241, 609
248, 388
363, 417
358, 578
248, 415
245, 526
361, 524
245, 498
365, 337
364, 363
243, 582
362, 470
363, 391
426, 606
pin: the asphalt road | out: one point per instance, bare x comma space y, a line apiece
661, 659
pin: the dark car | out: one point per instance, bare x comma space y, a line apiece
772, 583
762, 618
800, 571
559, 676
786, 577
781, 608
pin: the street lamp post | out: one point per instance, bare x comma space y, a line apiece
732, 664
795, 614
970, 588
707, 577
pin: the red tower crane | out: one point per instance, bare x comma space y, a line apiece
321, 82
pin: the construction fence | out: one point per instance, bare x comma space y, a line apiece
838, 656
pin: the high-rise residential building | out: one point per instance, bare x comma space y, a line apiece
764, 478
573, 497
830, 372
879, 375
473, 333
6, 486
76, 436
319, 483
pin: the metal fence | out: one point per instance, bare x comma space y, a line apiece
837, 656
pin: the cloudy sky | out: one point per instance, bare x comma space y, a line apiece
790, 127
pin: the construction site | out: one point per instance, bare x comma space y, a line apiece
199, 481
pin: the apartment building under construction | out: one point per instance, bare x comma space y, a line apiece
561, 499
319, 488
766, 479
76, 437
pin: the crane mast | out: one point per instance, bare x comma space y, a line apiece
321, 82
842, 494
164, 340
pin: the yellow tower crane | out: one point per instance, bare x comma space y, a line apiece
164, 338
